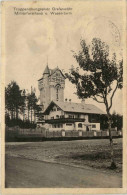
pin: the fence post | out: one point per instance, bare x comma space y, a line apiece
95, 133
80, 133
63, 133
107, 133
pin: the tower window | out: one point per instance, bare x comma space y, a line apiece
57, 92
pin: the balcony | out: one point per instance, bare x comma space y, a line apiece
64, 120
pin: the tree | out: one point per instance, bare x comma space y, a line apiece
23, 107
13, 99
32, 104
117, 121
100, 79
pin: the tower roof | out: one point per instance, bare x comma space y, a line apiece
46, 71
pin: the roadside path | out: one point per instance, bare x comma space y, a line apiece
24, 173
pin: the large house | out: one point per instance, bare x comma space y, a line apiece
58, 114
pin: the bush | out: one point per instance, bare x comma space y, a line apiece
18, 122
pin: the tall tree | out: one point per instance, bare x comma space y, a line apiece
23, 106
100, 78
13, 99
32, 104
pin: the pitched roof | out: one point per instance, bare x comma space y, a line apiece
76, 107
50, 71
40, 79
46, 71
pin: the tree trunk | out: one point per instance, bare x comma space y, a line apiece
11, 114
34, 117
31, 115
113, 164
23, 114
28, 114
16, 113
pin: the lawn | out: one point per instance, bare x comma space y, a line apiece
81, 153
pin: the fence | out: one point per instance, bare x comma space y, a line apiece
17, 133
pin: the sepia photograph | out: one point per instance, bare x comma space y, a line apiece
64, 103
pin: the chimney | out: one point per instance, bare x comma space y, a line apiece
83, 101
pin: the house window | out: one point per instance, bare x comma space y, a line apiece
70, 116
58, 109
93, 126
54, 109
57, 116
62, 116
80, 125
61, 125
78, 116
52, 117
68, 124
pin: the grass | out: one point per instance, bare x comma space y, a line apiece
82, 153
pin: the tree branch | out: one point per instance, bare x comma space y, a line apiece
94, 98
99, 95
113, 95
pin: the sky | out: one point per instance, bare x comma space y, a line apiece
33, 41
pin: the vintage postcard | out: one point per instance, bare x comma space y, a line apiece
64, 97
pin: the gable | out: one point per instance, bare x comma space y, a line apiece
55, 108
57, 76
57, 73
52, 107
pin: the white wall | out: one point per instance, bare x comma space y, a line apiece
74, 126
54, 113
97, 128
69, 127
51, 128
84, 126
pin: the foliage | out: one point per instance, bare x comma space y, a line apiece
100, 73
101, 77
117, 121
18, 105
13, 99
18, 122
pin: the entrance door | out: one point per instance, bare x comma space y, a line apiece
87, 128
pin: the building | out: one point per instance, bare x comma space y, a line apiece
58, 114
51, 86
72, 116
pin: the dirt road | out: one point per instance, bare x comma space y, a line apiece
24, 173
